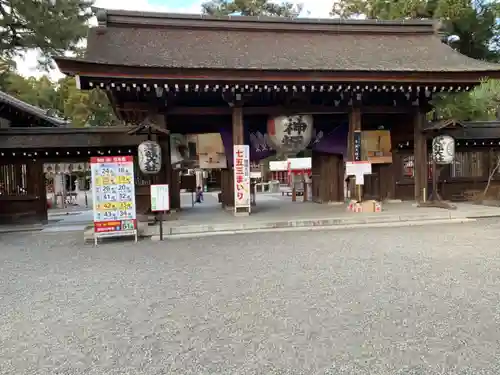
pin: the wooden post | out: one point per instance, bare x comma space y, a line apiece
420, 154
238, 130
327, 174
305, 188
165, 175
354, 126
227, 188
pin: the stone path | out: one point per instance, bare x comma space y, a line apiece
385, 301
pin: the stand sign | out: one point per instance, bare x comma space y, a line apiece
113, 193
160, 198
160, 202
358, 169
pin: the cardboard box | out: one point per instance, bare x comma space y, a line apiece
365, 206
371, 206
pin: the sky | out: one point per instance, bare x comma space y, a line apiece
27, 64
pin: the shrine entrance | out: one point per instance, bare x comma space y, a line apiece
369, 110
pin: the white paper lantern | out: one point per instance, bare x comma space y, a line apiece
443, 149
149, 157
290, 134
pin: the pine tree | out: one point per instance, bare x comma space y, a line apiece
251, 8
474, 22
51, 26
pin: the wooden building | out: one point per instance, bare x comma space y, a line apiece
194, 74
29, 138
477, 154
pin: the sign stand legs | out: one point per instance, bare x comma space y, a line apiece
435, 199
160, 215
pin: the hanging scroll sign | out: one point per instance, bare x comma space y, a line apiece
149, 154
357, 146
290, 134
443, 149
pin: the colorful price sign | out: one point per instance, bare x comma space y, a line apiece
113, 193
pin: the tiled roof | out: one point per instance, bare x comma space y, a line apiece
182, 41
31, 110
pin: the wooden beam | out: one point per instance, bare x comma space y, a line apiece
278, 110
136, 106
86, 69
40, 138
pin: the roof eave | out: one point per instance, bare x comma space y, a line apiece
31, 110
91, 69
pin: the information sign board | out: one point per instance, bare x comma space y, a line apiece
113, 196
358, 169
160, 198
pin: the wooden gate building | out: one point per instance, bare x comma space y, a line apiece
193, 74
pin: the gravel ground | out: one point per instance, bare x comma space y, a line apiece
417, 300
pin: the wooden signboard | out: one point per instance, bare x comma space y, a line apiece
376, 146
188, 182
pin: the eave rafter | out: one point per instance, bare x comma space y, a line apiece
160, 88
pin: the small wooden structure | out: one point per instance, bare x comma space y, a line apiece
30, 138
432, 130
22, 185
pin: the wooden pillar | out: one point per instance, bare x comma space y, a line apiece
227, 175
354, 126
327, 173
306, 192
227, 188
37, 189
175, 190
238, 129
167, 173
420, 154
238, 139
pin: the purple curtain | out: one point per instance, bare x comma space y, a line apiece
328, 138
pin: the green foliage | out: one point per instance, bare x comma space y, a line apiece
474, 22
51, 26
251, 8
81, 108
481, 104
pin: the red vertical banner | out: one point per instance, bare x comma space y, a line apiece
241, 158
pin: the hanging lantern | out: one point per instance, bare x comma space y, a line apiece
149, 157
443, 149
290, 134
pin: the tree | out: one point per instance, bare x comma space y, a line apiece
63, 99
251, 8
84, 108
474, 22
481, 104
50, 26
